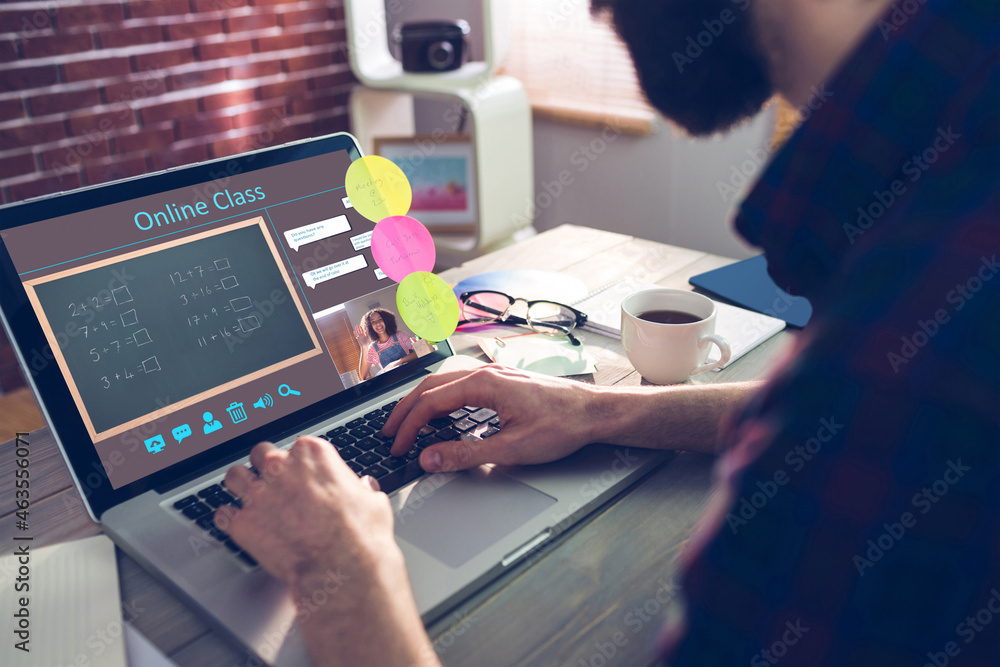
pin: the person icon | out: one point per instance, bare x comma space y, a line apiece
211, 425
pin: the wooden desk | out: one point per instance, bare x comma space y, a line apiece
603, 587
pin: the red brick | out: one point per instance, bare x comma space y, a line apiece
228, 99
301, 16
17, 164
24, 77
251, 22
269, 3
193, 29
105, 121
327, 37
217, 5
44, 185
82, 70
60, 102
114, 169
337, 13
71, 154
112, 38
255, 70
225, 49
11, 109
30, 133
134, 89
261, 116
146, 139
8, 51
331, 124
168, 57
165, 159
87, 14
155, 113
283, 88
279, 42
203, 125
158, 8
319, 102
332, 80
25, 21
195, 78
310, 61
57, 45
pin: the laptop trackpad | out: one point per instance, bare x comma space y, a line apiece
467, 514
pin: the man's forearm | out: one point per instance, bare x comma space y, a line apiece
688, 417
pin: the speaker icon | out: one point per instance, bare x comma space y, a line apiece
264, 401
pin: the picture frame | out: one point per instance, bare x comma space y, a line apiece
442, 173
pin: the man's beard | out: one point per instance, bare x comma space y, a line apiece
697, 60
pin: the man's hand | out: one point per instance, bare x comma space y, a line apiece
542, 418
314, 525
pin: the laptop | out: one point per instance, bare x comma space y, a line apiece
168, 323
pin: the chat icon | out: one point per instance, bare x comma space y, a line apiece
316, 231
181, 432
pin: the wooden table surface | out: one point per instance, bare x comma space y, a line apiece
598, 596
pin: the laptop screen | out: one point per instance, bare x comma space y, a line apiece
211, 305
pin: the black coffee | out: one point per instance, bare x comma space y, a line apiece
669, 317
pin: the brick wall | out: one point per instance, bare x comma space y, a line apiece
92, 91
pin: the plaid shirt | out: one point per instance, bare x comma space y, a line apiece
856, 520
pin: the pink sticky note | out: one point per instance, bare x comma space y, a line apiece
402, 245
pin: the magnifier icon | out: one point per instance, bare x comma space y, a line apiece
285, 390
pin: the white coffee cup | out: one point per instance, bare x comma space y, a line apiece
670, 353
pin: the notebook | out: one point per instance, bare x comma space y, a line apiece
170, 322
748, 284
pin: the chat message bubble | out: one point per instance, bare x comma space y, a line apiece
427, 305
402, 245
317, 231
361, 241
378, 188
324, 273
181, 432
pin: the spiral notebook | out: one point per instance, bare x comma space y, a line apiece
743, 329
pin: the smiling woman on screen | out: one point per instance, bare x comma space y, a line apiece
388, 349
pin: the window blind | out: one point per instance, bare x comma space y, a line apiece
574, 66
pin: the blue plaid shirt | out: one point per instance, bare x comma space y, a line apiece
857, 519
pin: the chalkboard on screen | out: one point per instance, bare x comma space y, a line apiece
168, 325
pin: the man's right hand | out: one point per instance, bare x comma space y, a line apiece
541, 418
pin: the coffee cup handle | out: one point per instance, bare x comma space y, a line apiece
723, 348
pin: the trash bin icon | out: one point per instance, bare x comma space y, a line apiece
237, 412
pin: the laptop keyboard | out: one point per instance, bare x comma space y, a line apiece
365, 450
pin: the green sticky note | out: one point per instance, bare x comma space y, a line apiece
427, 305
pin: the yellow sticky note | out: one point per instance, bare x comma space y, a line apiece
427, 305
378, 188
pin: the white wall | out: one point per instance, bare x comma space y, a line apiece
663, 187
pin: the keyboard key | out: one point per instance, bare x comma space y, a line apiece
427, 441
368, 444
206, 522
348, 452
354, 423
447, 434
355, 466
464, 424
484, 415
237, 503
495, 422
373, 414
382, 450
225, 497
184, 502
343, 439
210, 491
335, 432
394, 462
196, 510
458, 414
362, 431
232, 546
387, 408
425, 430
247, 558
214, 500
439, 422
377, 423
492, 430
218, 534
375, 471
470, 409
382, 438
413, 454
368, 458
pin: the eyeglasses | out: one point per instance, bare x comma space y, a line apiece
547, 317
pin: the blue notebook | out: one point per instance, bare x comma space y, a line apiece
747, 284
